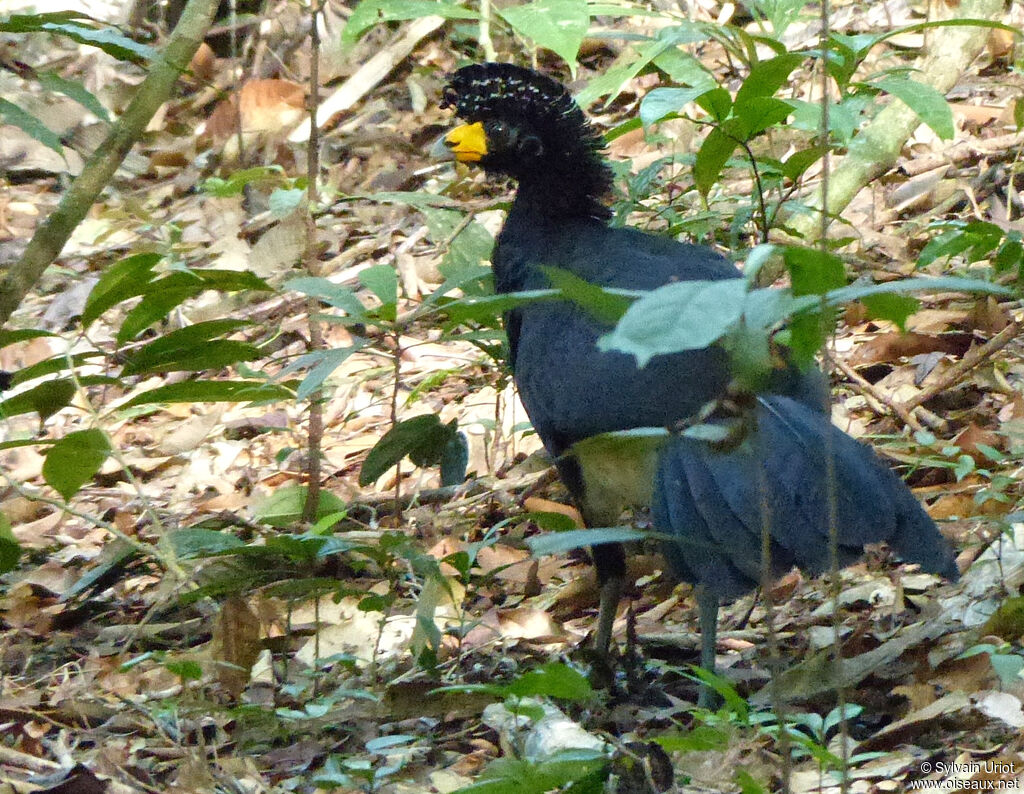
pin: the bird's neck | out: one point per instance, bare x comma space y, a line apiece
543, 228
559, 195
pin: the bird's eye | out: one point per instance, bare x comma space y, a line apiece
499, 128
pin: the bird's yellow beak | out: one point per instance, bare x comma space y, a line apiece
466, 144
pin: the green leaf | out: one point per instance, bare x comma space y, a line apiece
558, 25
759, 113
701, 738
602, 305
30, 125
717, 103
798, 162
284, 506
767, 77
192, 349
323, 363
930, 105
812, 271
371, 12
422, 438
192, 542
110, 40
73, 89
10, 337
711, 158
382, 281
126, 279
72, 461
686, 315
807, 332
154, 307
283, 202
552, 680
661, 102
330, 293
10, 549
53, 365
33, 23
45, 399
554, 543
454, 460
185, 670
209, 391
894, 308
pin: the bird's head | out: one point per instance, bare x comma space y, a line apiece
526, 125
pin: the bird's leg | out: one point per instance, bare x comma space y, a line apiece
707, 609
610, 563
611, 592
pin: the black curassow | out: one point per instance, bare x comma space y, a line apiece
714, 500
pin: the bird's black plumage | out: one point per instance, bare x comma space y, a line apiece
713, 499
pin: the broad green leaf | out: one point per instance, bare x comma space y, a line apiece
283, 202
701, 738
371, 12
382, 281
717, 103
45, 399
330, 293
12, 336
322, 363
759, 113
30, 125
74, 459
661, 102
558, 25
812, 271
153, 308
422, 438
53, 365
209, 391
191, 349
192, 542
711, 158
73, 89
930, 105
892, 307
767, 77
856, 292
603, 306
686, 315
33, 23
806, 334
284, 506
561, 542
110, 40
123, 280
454, 460
185, 670
554, 680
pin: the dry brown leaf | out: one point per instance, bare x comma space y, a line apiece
235, 644
892, 347
972, 435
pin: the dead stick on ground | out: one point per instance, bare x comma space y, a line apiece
972, 358
866, 388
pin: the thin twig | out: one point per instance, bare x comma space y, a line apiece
863, 386
972, 358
